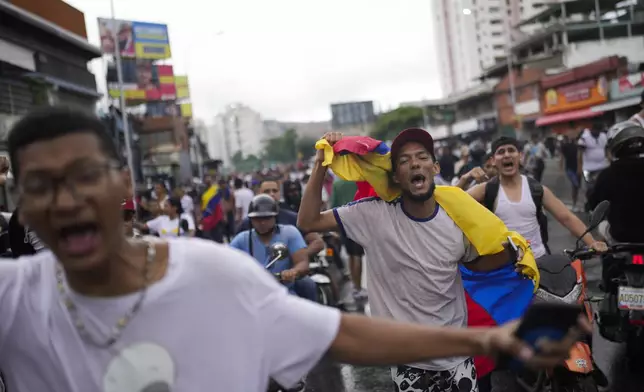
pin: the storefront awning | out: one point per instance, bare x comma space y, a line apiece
614, 105
567, 116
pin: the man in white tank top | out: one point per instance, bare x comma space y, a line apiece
514, 203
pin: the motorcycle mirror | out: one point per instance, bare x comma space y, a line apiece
279, 251
599, 214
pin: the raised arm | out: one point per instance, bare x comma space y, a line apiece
309, 218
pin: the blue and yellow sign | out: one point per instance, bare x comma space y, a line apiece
151, 41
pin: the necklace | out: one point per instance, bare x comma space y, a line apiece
123, 322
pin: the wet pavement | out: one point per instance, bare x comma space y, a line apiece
332, 377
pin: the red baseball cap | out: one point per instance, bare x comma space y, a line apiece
128, 205
416, 135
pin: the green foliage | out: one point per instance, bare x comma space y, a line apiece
248, 164
288, 148
391, 123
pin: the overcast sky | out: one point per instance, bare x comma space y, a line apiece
289, 59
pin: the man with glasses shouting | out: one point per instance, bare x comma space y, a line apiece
105, 312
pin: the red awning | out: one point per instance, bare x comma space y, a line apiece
567, 116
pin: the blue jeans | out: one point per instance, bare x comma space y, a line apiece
306, 288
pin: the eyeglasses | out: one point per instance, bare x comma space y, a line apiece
83, 180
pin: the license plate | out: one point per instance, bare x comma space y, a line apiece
631, 298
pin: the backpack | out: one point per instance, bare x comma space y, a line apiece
536, 190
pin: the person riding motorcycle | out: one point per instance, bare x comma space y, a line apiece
619, 184
266, 231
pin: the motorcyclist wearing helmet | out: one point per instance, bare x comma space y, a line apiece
265, 232
621, 184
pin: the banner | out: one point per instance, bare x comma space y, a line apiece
168, 109
142, 81
135, 39
183, 90
576, 96
627, 86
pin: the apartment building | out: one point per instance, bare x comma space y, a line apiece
472, 35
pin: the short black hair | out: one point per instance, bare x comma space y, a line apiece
504, 141
51, 122
238, 183
270, 179
176, 203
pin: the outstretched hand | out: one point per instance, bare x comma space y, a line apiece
503, 341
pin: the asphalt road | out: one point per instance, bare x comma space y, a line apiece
332, 377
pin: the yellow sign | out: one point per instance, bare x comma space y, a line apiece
186, 110
183, 90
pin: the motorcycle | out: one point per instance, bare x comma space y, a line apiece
563, 279
319, 273
620, 316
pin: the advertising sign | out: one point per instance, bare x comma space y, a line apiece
352, 113
142, 81
168, 109
627, 86
183, 90
135, 39
576, 96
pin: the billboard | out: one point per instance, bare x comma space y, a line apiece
135, 39
351, 114
168, 109
183, 90
576, 96
142, 81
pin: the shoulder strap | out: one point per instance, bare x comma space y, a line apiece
491, 192
536, 190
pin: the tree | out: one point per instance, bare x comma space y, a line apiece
306, 146
282, 149
391, 123
250, 163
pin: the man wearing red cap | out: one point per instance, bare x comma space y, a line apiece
414, 251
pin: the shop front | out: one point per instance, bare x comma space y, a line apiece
625, 97
570, 106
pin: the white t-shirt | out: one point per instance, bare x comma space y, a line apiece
187, 204
166, 227
216, 322
413, 273
243, 197
594, 155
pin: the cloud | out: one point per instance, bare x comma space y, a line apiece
289, 59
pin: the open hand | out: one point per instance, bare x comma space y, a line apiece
502, 341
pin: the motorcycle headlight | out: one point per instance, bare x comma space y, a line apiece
571, 298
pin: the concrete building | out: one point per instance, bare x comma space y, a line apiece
237, 129
43, 61
472, 35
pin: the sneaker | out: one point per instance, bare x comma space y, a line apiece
360, 294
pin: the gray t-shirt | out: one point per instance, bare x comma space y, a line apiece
413, 273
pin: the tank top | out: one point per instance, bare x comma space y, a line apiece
521, 217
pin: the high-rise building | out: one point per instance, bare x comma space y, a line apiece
472, 35
237, 129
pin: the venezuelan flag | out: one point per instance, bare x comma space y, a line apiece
493, 297
211, 212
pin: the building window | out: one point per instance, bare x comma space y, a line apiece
495, 9
495, 21
498, 47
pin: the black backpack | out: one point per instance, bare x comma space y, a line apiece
536, 190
